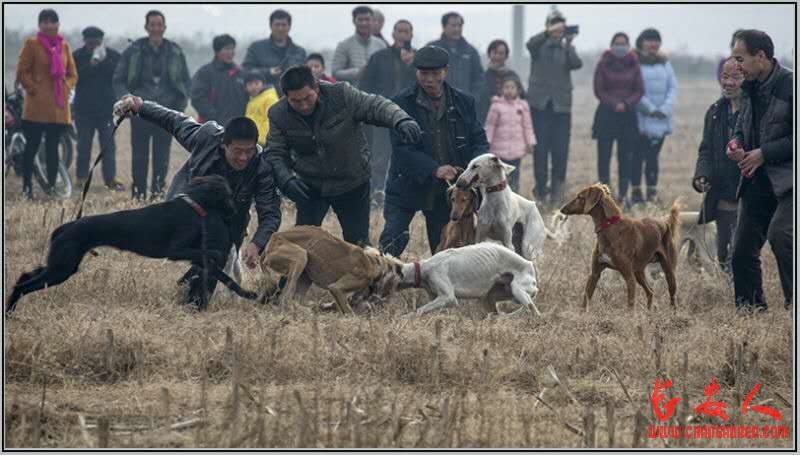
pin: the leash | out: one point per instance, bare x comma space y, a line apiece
88, 181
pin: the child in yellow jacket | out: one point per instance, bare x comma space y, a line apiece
262, 96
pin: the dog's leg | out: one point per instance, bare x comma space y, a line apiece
440, 301
630, 283
669, 275
648, 291
522, 297
591, 283
291, 260
345, 284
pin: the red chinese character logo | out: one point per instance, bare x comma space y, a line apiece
656, 398
712, 408
760, 409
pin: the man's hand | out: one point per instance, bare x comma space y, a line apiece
752, 160
619, 107
569, 37
251, 255
701, 184
275, 71
409, 131
127, 106
406, 56
296, 190
446, 172
558, 26
735, 151
529, 148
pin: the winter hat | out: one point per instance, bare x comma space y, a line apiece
553, 17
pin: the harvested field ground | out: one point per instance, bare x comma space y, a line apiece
109, 359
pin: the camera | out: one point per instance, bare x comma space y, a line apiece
571, 30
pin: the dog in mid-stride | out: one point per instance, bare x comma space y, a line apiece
191, 228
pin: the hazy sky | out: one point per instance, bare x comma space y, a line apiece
698, 29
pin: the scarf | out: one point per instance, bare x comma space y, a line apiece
54, 46
648, 59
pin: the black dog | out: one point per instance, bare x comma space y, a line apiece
189, 228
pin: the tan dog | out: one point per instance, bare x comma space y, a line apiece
460, 230
626, 244
308, 254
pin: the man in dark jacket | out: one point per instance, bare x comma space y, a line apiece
231, 152
153, 68
418, 174
387, 72
762, 145
218, 87
464, 71
318, 151
94, 98
273, 55
553, 58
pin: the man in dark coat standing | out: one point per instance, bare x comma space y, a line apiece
218, 87
318, 151
94, 98
762, 145
418, 174
273, 55
464, 71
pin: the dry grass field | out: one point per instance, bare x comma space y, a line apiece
108, 359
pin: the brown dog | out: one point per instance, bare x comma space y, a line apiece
308, 254
460, 230
626, 244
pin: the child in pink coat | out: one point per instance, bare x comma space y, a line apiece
509, 128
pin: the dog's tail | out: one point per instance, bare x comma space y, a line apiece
223, 278
673, 220
559, 232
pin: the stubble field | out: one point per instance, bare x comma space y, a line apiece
109, 358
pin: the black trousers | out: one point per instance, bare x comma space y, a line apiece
351, 208
86, 126
645, 159
726, 227
33, 136
395, 235
552, 135
762, 217
381, 149
626, 139
142, 132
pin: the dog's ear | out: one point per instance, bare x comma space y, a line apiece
591, 198
508, 168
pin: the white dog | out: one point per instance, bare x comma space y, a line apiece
504, 215
701, 243
486, 271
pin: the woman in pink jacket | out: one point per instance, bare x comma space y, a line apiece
509, 128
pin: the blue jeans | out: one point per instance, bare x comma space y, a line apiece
394, 237
86, 126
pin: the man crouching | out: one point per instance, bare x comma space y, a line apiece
231, 152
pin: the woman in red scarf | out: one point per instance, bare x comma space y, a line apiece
47, 72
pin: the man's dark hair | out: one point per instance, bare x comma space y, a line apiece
240, 128
497, 43
403, 21
279, 14
297, 77
254, 75
154, 12
617, 35
359, 10
222, 41
754, 41
48, 15
446, 17
316, 56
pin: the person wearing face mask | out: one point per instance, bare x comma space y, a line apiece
351, 55
715, 175
619, 87
653, 113
218, 91
493, 78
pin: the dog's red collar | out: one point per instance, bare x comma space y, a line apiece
499, 187
197, 207
417, 274
605, 224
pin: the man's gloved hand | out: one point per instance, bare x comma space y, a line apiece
409, 131
127, 106
296, 190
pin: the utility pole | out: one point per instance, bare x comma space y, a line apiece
517, 37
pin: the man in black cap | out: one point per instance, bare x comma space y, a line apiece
418, 174
94, 99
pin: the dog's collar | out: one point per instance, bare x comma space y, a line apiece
499, 187
417, 274
605, 224
197, 207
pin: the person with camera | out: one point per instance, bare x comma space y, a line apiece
553, 58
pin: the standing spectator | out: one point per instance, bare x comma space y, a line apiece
763, 147
47, 72
94, 101
654, 112
218, 87
419, 171
377, 25
273, 55
618, 85
716, 175
153, 68
465, 71
318, 152
317, 64
553, 58
352, 54
509, 129
262, 97
388, 71
493, 78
